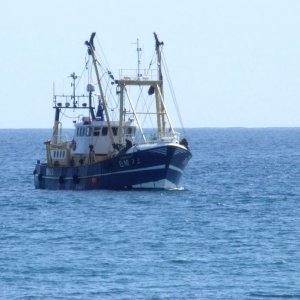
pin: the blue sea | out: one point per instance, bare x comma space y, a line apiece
231, 232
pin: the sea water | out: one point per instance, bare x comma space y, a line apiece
231, 232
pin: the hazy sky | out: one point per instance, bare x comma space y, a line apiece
232, 63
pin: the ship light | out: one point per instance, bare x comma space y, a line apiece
90, 88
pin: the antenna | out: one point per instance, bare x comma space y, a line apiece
139, 61
139, 50
74, 77
53, 90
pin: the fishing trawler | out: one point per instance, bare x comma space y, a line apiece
110, 148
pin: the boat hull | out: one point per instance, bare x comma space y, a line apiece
159, 167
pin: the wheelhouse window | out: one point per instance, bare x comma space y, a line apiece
88, 131
58, 154
81, 131
104, 131
97, 131
115, 131
130, 130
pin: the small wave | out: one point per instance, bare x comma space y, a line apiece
277, 296
181, 261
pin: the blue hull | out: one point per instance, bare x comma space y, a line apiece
159, 167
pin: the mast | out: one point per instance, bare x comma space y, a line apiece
121, 116
138, 49
55, 127
91, 51
74, 77
159, 92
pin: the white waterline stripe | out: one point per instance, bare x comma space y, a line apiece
128, 171
175, 169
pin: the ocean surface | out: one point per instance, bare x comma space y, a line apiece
231, 232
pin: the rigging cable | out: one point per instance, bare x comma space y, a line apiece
142, 87
103, 53
105, 71
172, 92
81, 75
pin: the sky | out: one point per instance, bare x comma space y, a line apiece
233, 63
